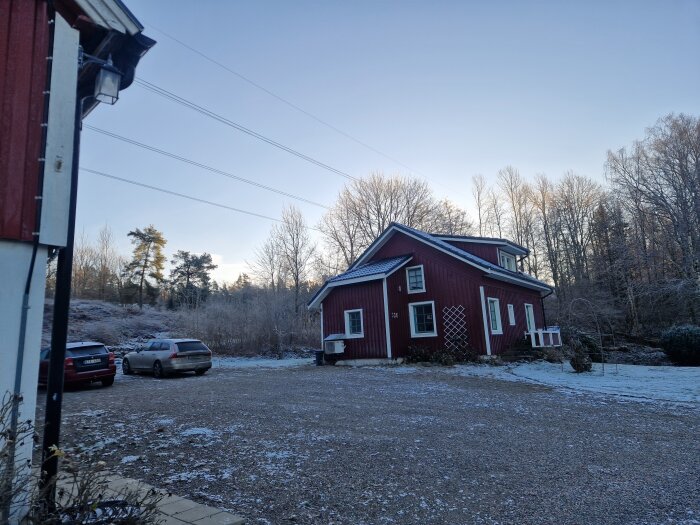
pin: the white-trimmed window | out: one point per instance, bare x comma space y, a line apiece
422, 317
511, 315
495, 316
415, 282
354, 326
530, 317
507, 261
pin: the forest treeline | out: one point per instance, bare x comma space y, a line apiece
623, 254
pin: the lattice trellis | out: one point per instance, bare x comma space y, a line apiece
454, 320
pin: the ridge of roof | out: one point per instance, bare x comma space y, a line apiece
432, 239
474, 238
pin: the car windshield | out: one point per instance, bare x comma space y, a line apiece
86, 350
191, 346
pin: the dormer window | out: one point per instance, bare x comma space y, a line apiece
508, 261
415, 282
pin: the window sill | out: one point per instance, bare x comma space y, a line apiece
431, 334
415, 291
354, 336
498, 332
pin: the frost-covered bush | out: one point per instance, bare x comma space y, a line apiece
682, 344
105, 332
444, 356
581, 361
418, 354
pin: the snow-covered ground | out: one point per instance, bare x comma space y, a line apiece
258, 362
650, 383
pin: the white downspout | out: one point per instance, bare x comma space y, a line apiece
321, 310
386, 321
486, 325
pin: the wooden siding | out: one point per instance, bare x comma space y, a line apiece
488, 252
369, 297
24, 36
449, 283
518, 297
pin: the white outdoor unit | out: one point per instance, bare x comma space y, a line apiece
334, 347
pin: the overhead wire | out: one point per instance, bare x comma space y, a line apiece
184, 196
200, 165
215, 116
283, 100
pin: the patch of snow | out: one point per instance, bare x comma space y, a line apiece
646, 383
258, 362
197, 432
130, 459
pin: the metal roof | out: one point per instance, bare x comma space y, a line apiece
380, 267
509, 245
446, 246
362, 273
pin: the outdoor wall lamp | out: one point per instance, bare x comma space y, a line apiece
108, 78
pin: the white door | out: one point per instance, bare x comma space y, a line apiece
530, 317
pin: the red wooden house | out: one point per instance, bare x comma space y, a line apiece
414, 288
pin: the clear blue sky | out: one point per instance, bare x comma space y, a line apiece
450, 89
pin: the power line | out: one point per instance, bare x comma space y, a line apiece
284, 100
200, 165
184, 196
189, 104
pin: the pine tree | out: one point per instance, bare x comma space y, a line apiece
189, 279
148, 261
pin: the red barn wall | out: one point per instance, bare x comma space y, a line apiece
450, 283
369, 296
24, 43
509, 294
488, 252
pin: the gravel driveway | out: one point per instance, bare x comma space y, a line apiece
332, 445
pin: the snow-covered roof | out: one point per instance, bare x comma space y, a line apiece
360, 273
378, 268
505, 244
364, 269
495, 271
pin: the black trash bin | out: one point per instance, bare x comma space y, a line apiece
319, 357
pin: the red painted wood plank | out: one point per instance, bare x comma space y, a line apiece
23, 51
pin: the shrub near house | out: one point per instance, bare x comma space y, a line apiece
412, 288
682, 344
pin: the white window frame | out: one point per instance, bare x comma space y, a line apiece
499, 329
411, 318
347, 324
511, 315
510, 257
530, 318
408, 282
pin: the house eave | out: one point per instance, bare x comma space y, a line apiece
541, 287
323, 292
505, 244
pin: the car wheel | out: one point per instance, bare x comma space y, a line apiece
200, 372
109, 381
126, 368
157, 370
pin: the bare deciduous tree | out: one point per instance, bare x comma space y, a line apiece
295, 249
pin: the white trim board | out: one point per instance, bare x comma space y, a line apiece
487, 335
387, 328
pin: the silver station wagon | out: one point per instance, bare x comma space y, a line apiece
162, 357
